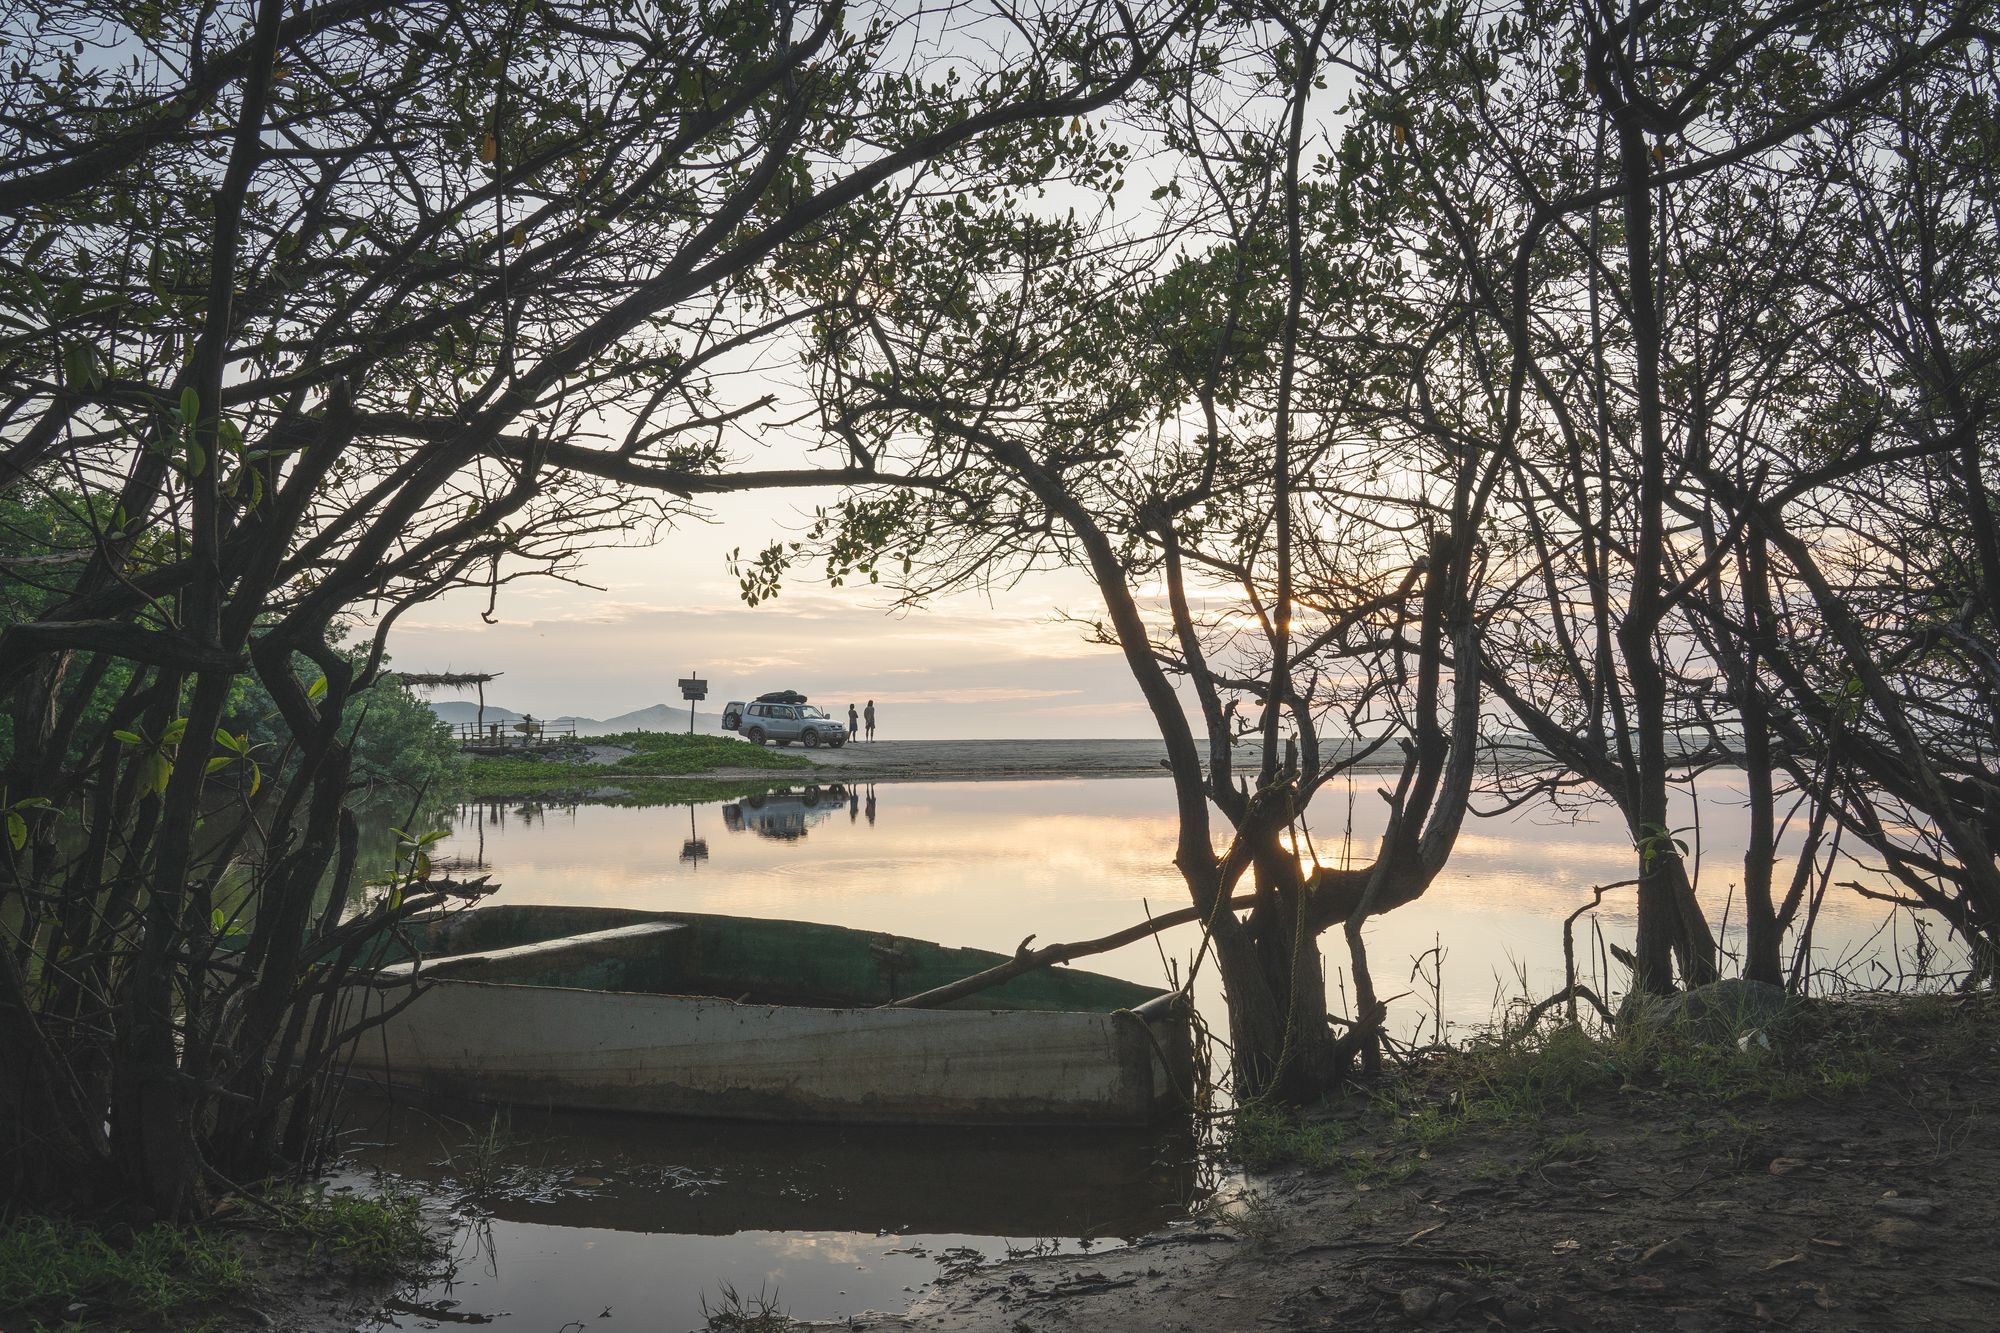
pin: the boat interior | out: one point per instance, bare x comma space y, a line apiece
744, 959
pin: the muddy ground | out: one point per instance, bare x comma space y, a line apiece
1711, 1200
1848, 1179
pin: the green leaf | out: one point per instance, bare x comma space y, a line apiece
220, 761
128, 738
317, 690
190, 405
17, 830
80, 365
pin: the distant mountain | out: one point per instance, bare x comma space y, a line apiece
456, 711
660, 717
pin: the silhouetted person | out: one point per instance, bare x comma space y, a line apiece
871, 803
853, 796
868, 716
853, 723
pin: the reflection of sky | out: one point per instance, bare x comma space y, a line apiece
538, 1278
986, 864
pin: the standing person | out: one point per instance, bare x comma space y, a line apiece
853, 723
868, 716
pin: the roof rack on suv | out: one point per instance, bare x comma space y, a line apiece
781, 697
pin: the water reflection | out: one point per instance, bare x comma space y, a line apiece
985, 864
641, 1218
788, 813
629, 1222
643, 1174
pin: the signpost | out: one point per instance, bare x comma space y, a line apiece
693, 688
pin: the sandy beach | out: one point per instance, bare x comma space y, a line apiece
891, 761
927, 761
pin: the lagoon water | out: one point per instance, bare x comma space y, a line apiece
631, 1224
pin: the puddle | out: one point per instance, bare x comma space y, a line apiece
628, 1222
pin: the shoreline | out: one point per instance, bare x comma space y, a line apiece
983, 761
1836, 1184
589, 775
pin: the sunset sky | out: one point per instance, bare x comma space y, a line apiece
967, 667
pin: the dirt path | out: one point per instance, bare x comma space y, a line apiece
1868, 1209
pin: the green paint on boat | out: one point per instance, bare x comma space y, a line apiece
750, 959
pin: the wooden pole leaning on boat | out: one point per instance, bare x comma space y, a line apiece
1027, 960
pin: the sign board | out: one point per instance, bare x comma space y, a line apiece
694, 687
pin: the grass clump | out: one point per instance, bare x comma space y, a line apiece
672, 754
734, 1312
48, 1265
656, 759
1514, 1077
1817, 1050
377, 1236
1263, 1137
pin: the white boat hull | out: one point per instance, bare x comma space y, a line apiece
565, 1046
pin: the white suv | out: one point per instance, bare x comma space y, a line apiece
760, 721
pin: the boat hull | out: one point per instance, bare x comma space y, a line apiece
465, 1034
668, 1055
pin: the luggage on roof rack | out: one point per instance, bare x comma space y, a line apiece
781, 697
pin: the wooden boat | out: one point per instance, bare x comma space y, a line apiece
673, 1013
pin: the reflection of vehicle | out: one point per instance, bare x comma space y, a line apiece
783, 814
784, 717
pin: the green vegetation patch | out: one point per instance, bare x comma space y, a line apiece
1822, 1050
1515, 1081
48, 1265
655, 755
630, 790
669, 752
376, 1236
1262, 1137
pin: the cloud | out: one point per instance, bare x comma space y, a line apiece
999, 663
1128, 707
989, 695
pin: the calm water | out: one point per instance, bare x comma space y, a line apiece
986, 864
642, 1219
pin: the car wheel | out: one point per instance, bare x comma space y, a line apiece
755, 735
811, 738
